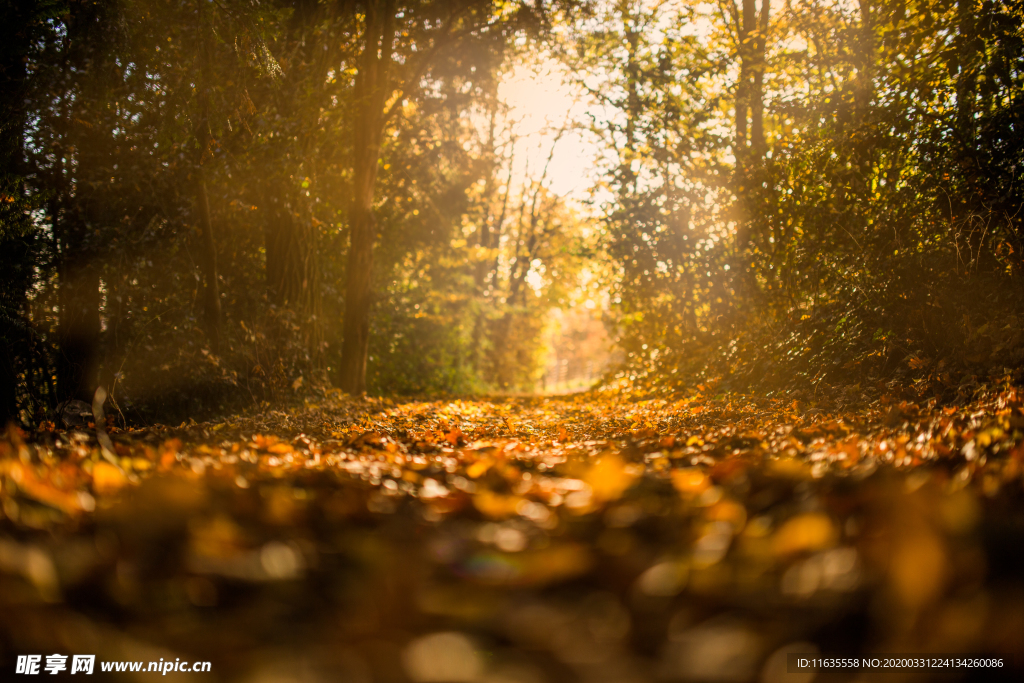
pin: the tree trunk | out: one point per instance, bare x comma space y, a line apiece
485, 229
211, 285
16, 259
756, 95
749, 147
208, 263
744, 39
488, 230
372, 89
968, 50
78, 330
79, 228
634, 109
863, 95
864, 87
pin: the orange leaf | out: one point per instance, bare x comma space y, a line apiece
689, 480
106, 478
808, 532
44, 492
609, 477
453, 436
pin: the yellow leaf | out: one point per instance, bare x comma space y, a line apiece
106, 478
479, 468
805, 533
728, 511
496, 506
790, 468
609, 478
689, 480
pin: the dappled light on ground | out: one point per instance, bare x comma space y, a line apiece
527, 540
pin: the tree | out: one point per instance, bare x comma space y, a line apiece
750, 32
314, 46
83, 215
19, 238
203, 141
373, 89
399, 45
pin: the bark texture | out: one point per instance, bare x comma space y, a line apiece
373, 86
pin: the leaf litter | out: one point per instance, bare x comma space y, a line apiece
542, 539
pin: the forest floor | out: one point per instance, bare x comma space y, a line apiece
523, 540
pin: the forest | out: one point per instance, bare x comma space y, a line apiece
512, 341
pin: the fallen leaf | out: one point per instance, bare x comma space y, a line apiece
107, 478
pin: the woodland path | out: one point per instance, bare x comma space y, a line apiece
583, 538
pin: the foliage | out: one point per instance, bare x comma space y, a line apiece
180, 211
799, 196
872, 237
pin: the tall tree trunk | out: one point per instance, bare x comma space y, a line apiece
863, 96
208, 263
372, 89
744, 39
634, 107
749, 147
488, 230
864, 86
487, 222
80, 224
756, 95
964, 204
752, 35
968, 50
15, 253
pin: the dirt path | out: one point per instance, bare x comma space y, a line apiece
521, 540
